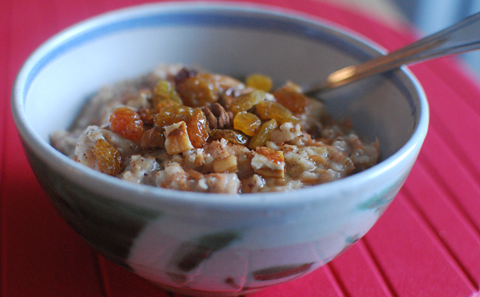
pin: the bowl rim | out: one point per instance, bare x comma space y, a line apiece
96, 181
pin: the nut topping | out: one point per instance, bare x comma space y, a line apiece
217, 117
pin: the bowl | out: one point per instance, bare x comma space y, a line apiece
216, 244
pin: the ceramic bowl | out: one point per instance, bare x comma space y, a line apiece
216, 244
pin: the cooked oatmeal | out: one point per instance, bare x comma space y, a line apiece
190, 130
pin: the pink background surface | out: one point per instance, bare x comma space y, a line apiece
426, 244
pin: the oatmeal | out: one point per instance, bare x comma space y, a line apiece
190, 130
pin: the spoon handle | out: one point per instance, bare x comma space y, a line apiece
459, 38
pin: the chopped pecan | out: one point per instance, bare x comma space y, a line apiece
221, 114
212, 120
226, 98
217, 117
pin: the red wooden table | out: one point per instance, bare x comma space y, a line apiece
426, 244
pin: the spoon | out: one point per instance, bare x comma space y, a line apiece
459, 38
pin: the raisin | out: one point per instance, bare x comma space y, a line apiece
199, 90
293, 100
173, 114
127, 123
247, 122
197, 129
147, 115
259, 82
272, 110
246, 101
108, 157
183, 75
263, 134
165, 103
153, 139
229, 135
164, 90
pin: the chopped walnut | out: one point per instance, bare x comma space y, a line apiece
176, 138
268, 163
227, 164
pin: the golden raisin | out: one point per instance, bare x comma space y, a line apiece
294, 101
127, 123
259, 82
272, 110
147, 115
246, 101
199, 90
229, 135
153, 139
165, 103
164, 90
247, 122
109, 160
263, 134
197, 129
173, 114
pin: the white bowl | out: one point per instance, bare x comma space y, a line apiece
215, 244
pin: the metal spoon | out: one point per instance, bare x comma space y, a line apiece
459, 38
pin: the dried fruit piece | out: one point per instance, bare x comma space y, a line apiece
199, 90
263, 134
183, 75
109, 160
267, 110
197, 129
164, 90
247, 122
127, 123
153, 139
246, 101
290, 97
173, 114
165, 103
229, 135
147, 115
259, 82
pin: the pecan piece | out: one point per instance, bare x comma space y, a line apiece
221, 114
212, 120
217, 117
